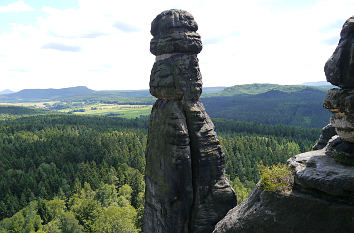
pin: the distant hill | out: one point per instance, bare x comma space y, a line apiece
79, 93
6, 91
45, 94
288, 105
82, 93
258, 88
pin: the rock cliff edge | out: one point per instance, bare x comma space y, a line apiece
321, 199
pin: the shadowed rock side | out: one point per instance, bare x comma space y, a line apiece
169, 191
321, 199
186, 188
213, 196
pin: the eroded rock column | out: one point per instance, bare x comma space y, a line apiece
186, 187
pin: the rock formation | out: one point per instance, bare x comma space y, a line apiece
327, 133
339, 71
186, 188
321, 198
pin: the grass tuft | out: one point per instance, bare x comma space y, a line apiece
276, 177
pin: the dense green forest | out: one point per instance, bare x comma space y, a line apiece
70, 173
300, 108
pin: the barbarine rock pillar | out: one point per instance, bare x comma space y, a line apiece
186, 188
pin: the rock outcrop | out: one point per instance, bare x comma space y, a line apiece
186, 188
327, 133
322, 196
339, 71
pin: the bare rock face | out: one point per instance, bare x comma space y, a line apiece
186, 188
321, 199
339, 68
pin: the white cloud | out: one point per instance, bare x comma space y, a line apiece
19, 6
244, 42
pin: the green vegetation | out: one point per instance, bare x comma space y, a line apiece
276, 177
242, 190
85, 173
259, 88
126, 111
87, 210
81, 108
18, 110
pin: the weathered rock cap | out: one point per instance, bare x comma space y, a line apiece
339, 68
171, 21
174, 31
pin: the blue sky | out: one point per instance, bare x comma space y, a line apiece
105, 44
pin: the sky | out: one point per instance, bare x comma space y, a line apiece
104, 44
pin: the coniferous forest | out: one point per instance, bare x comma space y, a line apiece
70, 173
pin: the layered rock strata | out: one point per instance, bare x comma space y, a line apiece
321, 199
186, 188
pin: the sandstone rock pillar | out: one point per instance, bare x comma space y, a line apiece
186, 188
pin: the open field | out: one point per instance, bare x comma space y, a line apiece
126, 111
31, 104
98, 109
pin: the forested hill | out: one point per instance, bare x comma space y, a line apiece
292, 106
46, 94
259, 88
